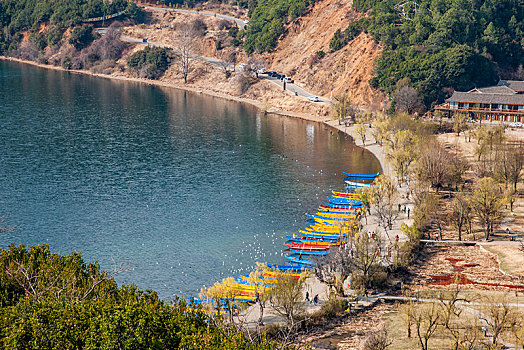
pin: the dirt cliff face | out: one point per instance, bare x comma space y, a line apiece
347, 70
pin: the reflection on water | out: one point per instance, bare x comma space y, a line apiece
186, 188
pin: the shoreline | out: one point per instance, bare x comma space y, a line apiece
259, 105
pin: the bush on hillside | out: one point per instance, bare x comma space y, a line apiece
150, 63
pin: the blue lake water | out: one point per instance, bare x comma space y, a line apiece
184, 188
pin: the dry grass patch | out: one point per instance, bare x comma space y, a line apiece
511, 258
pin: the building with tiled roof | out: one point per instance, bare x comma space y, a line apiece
504, 102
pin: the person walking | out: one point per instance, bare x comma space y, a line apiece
307, 296
315, 299
408, 212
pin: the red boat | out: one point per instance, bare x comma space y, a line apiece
346, 194
305, 246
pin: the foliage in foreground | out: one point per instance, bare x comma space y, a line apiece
60, 302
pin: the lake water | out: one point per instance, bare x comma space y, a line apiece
184, 188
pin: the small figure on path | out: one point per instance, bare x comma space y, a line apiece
307, 296
399, 206
408, 212
257, 297
315, 299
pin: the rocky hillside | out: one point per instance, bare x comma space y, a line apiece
347, 70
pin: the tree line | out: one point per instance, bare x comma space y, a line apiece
18, 16
439, 44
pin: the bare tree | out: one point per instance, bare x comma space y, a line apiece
342, 108
401, 151
359, 258
255, 66
426, 320
361, 132
487, 202
287, 296
262, 287
383, 199
509, 163
433, 163
459, 122
227, 62
450, 316
460, 212
185, 37
408, 100
377, 340
498, 315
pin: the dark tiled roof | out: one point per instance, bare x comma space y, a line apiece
475, 97
515, 85
502, 89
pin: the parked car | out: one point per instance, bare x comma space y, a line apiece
288, 80
271, 73
313, 99
279, 76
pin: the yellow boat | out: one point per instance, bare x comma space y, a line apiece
330, 228
338, 215
346, 195
321, 234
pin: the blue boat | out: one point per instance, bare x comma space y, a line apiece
296, 258
306, 240
308, 252
338, 200
357, 184
293, 268
361, 176
343, 206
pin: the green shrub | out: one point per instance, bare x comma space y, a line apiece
267, 22
82, 36
152, 61
331, 307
